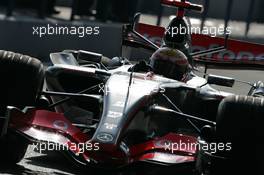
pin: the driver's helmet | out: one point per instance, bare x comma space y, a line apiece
170, 63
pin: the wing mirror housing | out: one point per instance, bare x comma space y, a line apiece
208, 133
220, 80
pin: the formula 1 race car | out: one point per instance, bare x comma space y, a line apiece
111, 113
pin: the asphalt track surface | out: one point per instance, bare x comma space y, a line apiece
43, 164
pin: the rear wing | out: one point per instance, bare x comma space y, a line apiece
239, 54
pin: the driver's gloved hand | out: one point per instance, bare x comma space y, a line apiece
142, 66
118, 61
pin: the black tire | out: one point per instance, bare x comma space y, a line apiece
239, 115
240, 121
21, 79
13, 148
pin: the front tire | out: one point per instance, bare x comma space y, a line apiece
13, 148
21, 78
240, 122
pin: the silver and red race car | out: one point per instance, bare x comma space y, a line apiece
115, 113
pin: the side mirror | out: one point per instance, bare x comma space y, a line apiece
63, 58
220, 80
208, 133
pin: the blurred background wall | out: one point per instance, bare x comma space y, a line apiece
16, 28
